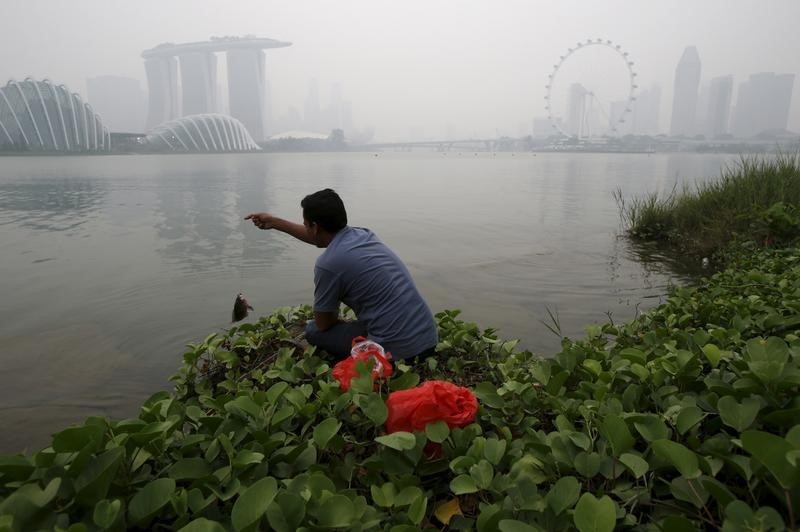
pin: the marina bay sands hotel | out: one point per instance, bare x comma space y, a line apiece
197, 64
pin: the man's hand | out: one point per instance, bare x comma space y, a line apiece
262, 220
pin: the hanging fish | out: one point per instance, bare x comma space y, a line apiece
240, 308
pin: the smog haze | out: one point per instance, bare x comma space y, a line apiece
414, 69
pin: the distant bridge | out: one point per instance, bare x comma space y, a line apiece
446, 145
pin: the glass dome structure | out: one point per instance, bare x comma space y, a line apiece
201, 133
40, 116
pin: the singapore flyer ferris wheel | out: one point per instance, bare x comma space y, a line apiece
587, 113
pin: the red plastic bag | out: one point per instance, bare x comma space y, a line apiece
363, 350
412, 409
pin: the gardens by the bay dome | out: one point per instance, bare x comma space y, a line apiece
201, 133
41, 116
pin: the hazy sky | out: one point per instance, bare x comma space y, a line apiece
412, 65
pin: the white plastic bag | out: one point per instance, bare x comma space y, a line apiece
362, 345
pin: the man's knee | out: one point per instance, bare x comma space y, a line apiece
312, 333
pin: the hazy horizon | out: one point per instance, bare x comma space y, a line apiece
414, 69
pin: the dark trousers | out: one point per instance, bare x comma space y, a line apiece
338, 340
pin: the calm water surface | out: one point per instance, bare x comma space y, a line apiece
110, 265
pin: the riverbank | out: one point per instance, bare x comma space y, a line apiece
755, 200
685, 416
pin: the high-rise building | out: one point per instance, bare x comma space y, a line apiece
646, 110
762, 104
198, 82
576, 110
247, 85
718, 107
701, 113
311, 109
347, 118
162, 85
684, 99
247, 90
334, 112
119, 100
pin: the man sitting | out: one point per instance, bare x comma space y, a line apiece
359, 270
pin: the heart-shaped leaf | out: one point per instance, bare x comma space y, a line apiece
616, 432
93, 482
771, 450
106, 512
325, 431
738, 415
463, 484
563, 494
595, 515
679, 456
374, 408
437, 431
253, 503
286, 512
149, 500
336, 512
636, 464
494, 450
687, 418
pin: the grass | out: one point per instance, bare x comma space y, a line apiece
703, 219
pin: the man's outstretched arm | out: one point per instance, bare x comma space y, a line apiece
264, 220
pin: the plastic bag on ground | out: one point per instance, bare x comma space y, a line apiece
410, 410
367, 351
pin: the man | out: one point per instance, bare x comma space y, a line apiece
360, 271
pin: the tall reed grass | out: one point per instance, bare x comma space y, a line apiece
704, 218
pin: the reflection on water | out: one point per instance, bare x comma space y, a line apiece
111, 264
659, 259
50, 205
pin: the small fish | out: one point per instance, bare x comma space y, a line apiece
240, 308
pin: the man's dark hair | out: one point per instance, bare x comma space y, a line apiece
325, 208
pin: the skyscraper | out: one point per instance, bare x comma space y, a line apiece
119, 100
334, 111
576, 110
719, 105
247, 90
646, 111
162, 85
762, 104
684, 99
199, 82
311, 109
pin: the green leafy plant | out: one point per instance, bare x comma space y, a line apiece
687, 417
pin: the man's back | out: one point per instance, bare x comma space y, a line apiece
362, 272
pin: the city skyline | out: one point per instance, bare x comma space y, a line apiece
479, 71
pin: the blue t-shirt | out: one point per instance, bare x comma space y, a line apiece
360, 271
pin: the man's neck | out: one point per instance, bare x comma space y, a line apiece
326, 238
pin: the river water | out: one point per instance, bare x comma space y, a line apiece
111, 264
